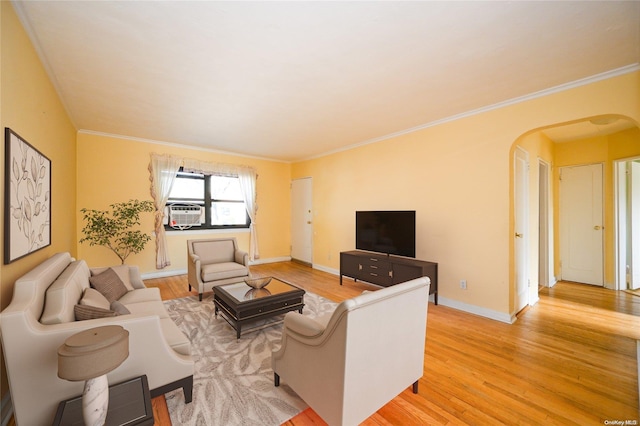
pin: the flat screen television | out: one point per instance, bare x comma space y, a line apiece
389, 232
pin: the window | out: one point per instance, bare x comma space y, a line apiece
219, 198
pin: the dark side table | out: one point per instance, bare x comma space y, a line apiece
129, 404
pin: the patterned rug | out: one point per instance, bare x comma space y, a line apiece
233, 379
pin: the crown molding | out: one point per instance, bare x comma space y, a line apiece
556, 89
179, 145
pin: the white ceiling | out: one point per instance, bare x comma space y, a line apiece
293, 80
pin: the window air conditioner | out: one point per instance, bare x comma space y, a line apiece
184, 216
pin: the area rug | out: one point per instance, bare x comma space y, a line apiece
233, 379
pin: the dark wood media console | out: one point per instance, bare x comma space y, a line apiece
386, 271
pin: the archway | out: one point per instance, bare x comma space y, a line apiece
603, 139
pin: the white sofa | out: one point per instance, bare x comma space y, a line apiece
41, 317
347, 364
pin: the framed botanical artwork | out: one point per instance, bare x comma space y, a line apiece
27, 198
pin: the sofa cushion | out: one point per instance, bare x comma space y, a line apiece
221, 271
175, 337
109, 284
148, 308
87, 312
64, 293
93, 297
151, 294
214, 251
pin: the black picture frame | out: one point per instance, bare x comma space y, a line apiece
27, 198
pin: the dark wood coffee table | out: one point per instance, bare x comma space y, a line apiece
240, 304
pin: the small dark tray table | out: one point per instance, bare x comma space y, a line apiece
129, 405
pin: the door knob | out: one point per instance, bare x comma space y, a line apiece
518, 235
308, 222
597, 228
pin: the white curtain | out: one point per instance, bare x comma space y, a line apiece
207, 168
163, 170
248, 178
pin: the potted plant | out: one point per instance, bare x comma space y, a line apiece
113, 228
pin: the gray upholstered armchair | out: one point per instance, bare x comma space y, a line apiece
213, 262
348, 364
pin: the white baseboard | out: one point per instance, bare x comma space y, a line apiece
477, 310
534, 299
327, 269
6, 409
472, 309
270, 260
163, 274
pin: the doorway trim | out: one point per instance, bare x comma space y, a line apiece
546, 277
620, 221
522, 226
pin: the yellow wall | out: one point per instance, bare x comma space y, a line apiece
30, 106
115, 169
457, 176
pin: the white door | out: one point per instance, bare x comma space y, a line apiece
581, 224
301, 220
521, 223
634, 224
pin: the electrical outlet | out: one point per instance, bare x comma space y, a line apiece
463, 284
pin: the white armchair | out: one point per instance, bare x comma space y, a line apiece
348, 364
214, 262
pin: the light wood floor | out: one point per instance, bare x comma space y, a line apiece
570, 359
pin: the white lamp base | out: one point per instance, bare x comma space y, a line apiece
95, 401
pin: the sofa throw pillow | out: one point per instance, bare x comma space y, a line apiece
123, 273
109, 284
87, 312
121, 270
119, 308
92, 297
